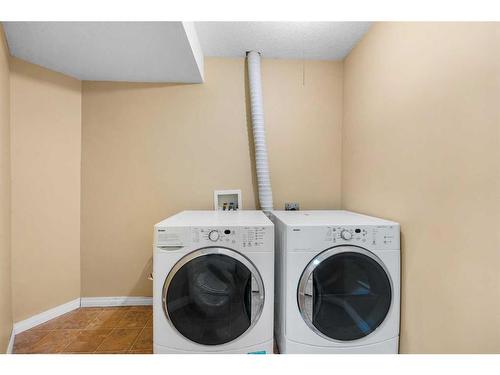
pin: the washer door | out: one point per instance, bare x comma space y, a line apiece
213, 296
344, 293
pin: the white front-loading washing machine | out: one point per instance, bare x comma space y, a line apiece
337, 282
213, 288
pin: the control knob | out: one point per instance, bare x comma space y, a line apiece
213, 235
346, 235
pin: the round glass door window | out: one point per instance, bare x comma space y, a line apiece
344, 293
213, 295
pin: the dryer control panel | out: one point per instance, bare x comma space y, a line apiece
370, 237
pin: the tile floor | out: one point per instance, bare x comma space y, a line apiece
124, 330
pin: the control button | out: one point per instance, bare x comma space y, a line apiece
346, 235
213, 235
358, 230
227, 231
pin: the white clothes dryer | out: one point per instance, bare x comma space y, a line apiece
337, 282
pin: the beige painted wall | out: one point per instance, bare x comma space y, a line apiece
46, 155
5, 265
151, 150
421, 146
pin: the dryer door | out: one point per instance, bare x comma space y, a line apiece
345, 293
213, 296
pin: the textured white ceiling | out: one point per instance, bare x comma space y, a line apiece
286, 40
111, 51
170, 51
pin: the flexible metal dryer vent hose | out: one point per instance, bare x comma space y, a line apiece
259, 134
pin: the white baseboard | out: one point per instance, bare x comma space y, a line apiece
10, 347
115, 301
45, 316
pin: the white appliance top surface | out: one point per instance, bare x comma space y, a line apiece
217, 218
334, 217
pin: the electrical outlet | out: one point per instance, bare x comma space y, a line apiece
291, 206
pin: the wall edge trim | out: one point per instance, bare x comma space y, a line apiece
45, 316
115, 301
54, 312
10, 346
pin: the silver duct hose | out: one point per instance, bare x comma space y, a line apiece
259, 134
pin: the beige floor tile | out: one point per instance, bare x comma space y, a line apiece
119, 339
87, 341
108, 318
145, 340
80, 319
25, 340
134, 319
55, 341
85, 330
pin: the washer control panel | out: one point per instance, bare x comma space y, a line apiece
251, 238
345, 234
242, 237
214, 236
371, 237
